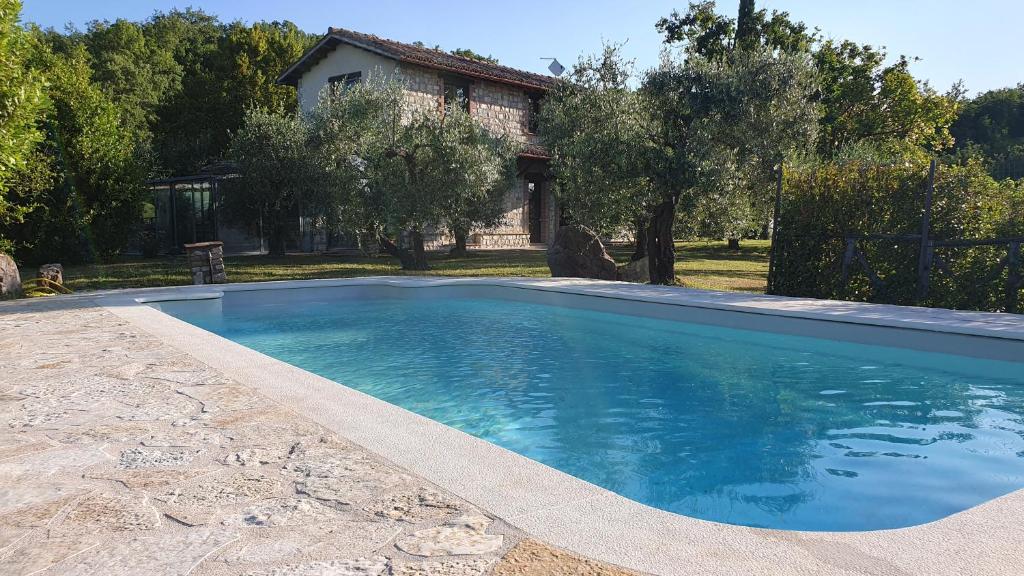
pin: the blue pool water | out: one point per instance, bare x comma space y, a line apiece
735, 426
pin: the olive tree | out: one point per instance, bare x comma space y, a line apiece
597, 129
406, 171
724, 124
281, 175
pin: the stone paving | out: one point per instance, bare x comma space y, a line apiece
120, 455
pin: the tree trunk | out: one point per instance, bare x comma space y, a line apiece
459, 250
640, 242
419, 253
734, 243
407, 258
660, 250
278, 237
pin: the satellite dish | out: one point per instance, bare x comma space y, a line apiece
555, 67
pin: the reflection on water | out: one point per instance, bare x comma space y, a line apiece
733, 426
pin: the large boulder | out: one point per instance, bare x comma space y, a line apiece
578, 253
10, 279
636, 271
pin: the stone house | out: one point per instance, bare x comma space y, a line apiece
503, 99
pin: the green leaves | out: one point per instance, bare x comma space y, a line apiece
599, 132
824, 202
21, 103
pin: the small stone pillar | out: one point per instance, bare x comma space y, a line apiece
206, 262
52, 272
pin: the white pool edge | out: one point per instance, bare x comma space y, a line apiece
578, 516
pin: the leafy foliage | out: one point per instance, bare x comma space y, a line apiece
21, 102
991, 126
863, 99
824, 202
226, 71
132, 69
598, 131
705, 32
279, 176
467, 53
867, 101
364, 161
86, 176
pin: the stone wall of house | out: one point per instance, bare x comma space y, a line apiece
423, 88
502, 108
497, 241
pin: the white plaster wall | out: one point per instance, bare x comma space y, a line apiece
344, 59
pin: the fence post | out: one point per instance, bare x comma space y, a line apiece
924, 263
772, 266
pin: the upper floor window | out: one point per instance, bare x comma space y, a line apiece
533, 113
344, 81
456, 93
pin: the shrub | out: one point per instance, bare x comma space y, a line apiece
824, 203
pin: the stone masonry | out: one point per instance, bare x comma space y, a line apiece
120, 455
206, 262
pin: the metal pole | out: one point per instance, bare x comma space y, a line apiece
775, 227
924, 261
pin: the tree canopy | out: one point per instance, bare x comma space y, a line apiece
21, 102
991, 125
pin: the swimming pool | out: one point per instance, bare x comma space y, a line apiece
737, 426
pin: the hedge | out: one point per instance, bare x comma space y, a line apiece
823, 204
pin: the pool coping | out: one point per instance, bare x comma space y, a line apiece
584, 518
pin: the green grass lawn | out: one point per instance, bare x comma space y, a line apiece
707, 265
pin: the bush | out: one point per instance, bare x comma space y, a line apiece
824, 203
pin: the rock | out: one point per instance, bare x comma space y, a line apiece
218, 398
134, 458
462, 536
35, 555
376, 566
10, 279
222, 490
530, 557
413, 507
33, 506
169, 553
254, 457
474, 567
636, 271
578, 253
147, 478
339, 475
284, 512
321, 540
52, 272
119, 513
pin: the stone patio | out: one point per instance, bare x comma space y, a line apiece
122, 455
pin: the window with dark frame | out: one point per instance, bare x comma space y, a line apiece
345, 81
456, 93
533, 113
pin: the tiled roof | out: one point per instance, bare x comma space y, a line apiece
418, 55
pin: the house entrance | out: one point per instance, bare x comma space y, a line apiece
536, 208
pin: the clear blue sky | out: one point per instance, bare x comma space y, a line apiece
980, 41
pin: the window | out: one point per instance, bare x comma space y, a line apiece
456, 93
533, 113
344, 81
